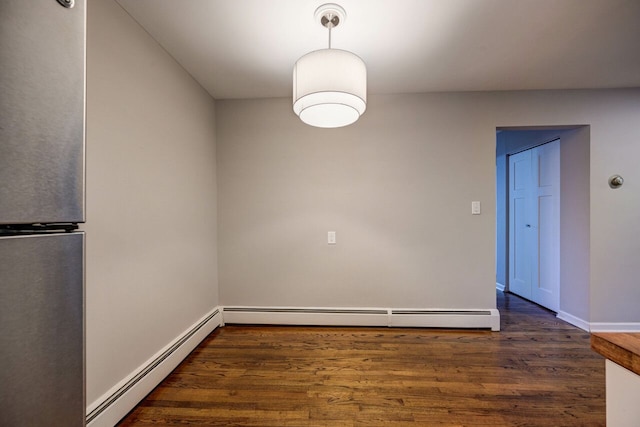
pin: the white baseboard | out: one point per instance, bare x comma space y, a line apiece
598, 326
306, 316
575, 321
421, 318
615, 327
500, 287
474, 319
122, 398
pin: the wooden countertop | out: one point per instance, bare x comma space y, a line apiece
622, 348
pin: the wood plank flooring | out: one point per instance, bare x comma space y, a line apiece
538, 371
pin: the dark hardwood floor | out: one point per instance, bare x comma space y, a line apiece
537, 371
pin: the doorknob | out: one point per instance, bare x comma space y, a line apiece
528, 225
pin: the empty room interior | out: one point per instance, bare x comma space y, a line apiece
228, 197
223, 223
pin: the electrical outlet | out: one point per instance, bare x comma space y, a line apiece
475, 208
331, 238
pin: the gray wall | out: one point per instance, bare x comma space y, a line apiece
574, 223
397, 187
151, 198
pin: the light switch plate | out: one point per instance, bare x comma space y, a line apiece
475, 208
331, 237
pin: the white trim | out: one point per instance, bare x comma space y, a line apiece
615, 327
107, 410
575, 321
475, 319
306, 316
500, 287
420, 318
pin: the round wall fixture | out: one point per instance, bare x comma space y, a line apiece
616, 181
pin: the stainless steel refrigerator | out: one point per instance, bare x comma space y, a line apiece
42, 151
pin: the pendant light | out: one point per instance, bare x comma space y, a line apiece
329, 85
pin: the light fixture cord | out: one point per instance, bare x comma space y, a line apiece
330, 25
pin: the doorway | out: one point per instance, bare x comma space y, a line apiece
573, 229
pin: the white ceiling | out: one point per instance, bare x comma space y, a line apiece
247, 48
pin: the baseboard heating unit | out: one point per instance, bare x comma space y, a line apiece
421, 318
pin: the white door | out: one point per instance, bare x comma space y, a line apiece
519, 232
534, 224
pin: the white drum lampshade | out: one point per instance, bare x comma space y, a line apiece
329, 88
329, 85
